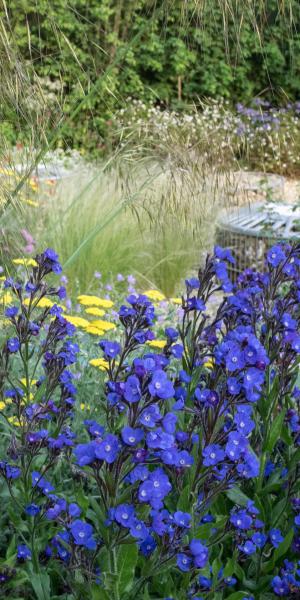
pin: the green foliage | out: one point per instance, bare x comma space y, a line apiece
183, 51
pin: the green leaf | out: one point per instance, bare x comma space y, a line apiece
41, 585
127, 556
237, 496
183, 502
274, 433
237, 595
284, 546
98, 593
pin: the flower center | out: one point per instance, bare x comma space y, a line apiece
107, 448
81, 534
131, 439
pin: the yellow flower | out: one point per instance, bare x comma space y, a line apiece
103, 325
31, 382
101, 363
14, 421
209, 363
157, 343
154, 295
94, 301
176, 300
6, 298
94, 330
84, 406
42, 303
33, 184
2, 405
2, 278
77, 321
8, 400
31, 202
27, 262
97, 312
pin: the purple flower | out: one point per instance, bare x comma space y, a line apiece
160, 386
213, 454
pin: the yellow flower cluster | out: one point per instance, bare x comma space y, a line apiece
26, 262
87, 300
100, 363
154, 295
157, 343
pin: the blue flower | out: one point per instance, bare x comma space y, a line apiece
85, 454
275, 537
13, 344
9, 471
182, 519
184, 562
124, 514
132, 392
213, 454
259, 539
169, 422
138, 529
74, 510
131, 436
199, 552
148, 545
150, 416
280, 586
23, 552
32, 510
248, 548
171, 333
275, 256
11, 312
160, 386
192, 284
110, 349
108, 449
83, 534
241, 520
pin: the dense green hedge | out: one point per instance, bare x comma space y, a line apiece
172, 52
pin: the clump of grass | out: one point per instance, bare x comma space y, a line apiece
151, 220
